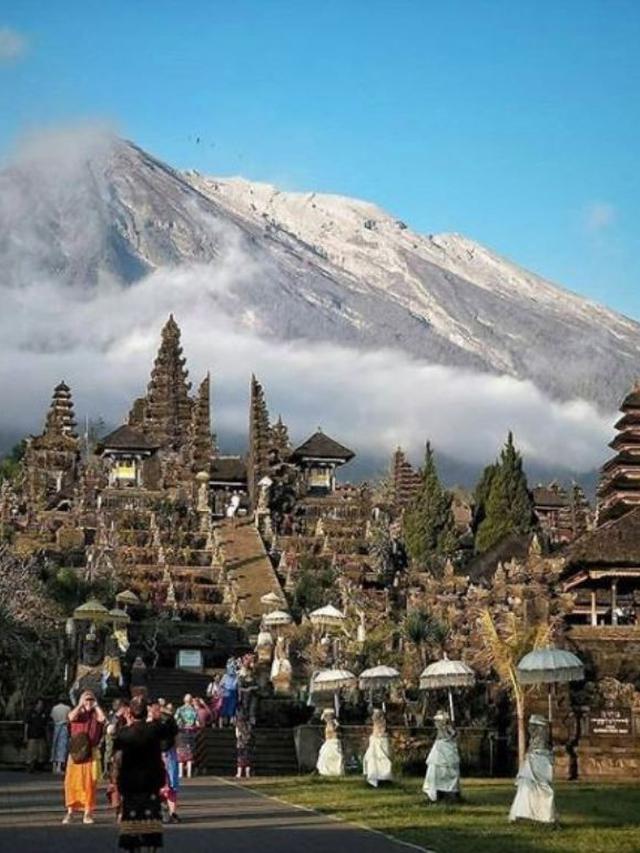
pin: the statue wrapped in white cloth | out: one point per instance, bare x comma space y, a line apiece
330, 758
376, 764
534, 798
442, 780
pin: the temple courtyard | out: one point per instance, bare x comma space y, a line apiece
266, 816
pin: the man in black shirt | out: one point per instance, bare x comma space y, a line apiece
35, 735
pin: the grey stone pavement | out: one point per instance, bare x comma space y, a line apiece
218, 815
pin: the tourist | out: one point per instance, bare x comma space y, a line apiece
244, 746
214, 695
229, 685
86, 724
60, 742
158, 712
35, 736
188, 723
117, 719
141, 777
204, 712
534, 799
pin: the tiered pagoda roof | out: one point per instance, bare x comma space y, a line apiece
619, 488
406, 480
61, 417
165, 414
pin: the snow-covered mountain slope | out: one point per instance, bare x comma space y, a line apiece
307, 267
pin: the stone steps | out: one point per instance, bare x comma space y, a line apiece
274, 752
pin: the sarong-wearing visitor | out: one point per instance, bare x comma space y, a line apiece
229, 685
187, 720
86, 723
376, 764
35, 733
442, 780
330, 758
140, 780
158, 712
534, 799
60, 742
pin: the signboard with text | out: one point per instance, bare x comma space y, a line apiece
610, 722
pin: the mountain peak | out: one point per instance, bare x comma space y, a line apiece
320, 267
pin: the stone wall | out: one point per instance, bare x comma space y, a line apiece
482, 753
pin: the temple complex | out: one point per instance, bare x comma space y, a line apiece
208, 545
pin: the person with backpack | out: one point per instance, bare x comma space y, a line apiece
86, 724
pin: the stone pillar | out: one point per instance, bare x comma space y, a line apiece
594, 611
614, 601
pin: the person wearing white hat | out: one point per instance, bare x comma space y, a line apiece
442, 780
534, 799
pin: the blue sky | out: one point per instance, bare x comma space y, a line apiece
516, 123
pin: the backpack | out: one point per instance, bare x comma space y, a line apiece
80, 748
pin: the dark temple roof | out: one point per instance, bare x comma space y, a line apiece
125, 438
617, 542
229, 469
545, 496
321, 446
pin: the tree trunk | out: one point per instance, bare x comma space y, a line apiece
521, 729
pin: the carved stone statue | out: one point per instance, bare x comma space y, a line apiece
330, 758
376, 764
442, 780
264, 647
281, 668
534, 799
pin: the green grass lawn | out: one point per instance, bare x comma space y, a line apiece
593, 818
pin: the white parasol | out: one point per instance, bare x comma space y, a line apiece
549, 665
378, 676
276, 618
327, 617
330, 680
447, 673
272, 599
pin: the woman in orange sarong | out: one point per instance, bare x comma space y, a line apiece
86, 723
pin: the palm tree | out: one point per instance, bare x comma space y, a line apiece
502, 648
423, 630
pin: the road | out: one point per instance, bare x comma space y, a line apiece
218, 815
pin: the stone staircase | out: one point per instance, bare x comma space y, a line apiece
172, 684
248, 568
274, 752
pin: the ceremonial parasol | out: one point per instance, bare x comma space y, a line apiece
272, 599
447, 673
276, 618
327, 617
331, 681
119, 617
91, 611
378, 676
127, 597
549, 665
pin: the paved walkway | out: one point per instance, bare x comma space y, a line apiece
217, 816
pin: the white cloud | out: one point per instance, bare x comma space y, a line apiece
598, 216
103, 345
13, 45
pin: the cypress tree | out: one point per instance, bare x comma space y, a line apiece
428, 523
508, 507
